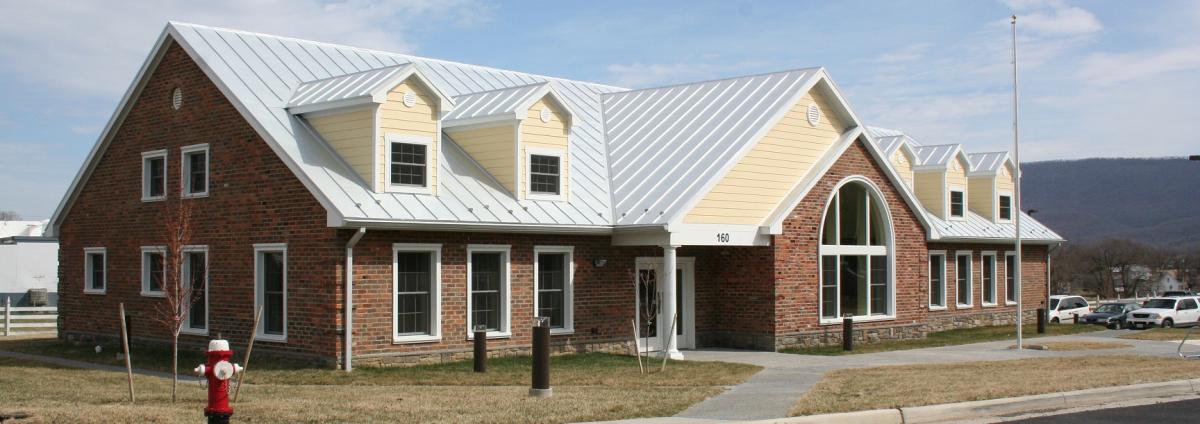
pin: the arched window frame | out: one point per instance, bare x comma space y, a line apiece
888, 249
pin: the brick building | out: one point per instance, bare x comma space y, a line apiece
378, 206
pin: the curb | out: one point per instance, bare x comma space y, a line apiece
996, 408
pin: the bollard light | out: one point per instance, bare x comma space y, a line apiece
1041, 320
847, 332
541, 358
480, 348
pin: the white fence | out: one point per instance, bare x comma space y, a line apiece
21, 320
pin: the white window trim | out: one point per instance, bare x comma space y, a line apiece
146, 156
87, 269
505, 293
983, 257
145, 273
568, 286
1006, 256
950, 208
933, 253
184, 269
429, 159
259, 249
970, 279
823, 250
185, 174
435, 295
562, 173
1011, 206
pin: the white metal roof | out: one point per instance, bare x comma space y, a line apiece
977, 228
500, 104
987, 163
344, 87
22, 228
889, 144
937, 155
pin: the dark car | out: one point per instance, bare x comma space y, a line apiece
1111, 315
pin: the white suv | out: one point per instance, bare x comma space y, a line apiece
1063, 308
1166, 312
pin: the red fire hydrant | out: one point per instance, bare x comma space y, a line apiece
218, 370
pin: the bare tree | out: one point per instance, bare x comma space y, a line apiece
1115, 259
177, 288
9, 216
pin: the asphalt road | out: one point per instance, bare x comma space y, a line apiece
1187, 411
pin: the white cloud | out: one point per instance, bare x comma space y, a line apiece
1060, 20
1111, 68
908, 53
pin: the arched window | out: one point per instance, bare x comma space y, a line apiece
856, 250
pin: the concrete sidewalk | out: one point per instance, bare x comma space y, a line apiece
184, 374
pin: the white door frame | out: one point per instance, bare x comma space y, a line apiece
687, 340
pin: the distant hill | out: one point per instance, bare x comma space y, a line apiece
1152, 201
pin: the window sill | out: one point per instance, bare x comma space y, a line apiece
154, 199
408, 189
273, 338
193, 331
153, 294
415, 339
1010, 303
546, 197
964, 306
938, 308
989, 305
194, 196
858, 318
491, 335
561, 331
87, 291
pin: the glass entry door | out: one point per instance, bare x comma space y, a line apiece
651, 322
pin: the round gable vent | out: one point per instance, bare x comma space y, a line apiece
544, 115
814, 114
177, 98
410, 99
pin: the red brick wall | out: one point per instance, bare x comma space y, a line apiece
253, 198
1033, 293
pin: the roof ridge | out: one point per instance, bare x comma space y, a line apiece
377, 51
402, 65
715, 80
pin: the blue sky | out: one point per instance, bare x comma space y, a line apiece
1098, 79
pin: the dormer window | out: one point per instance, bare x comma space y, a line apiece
408, 164
956, 203
1005, 208
545, 175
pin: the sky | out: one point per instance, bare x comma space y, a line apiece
1097, 79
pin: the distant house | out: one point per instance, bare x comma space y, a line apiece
1147, 281
28, 261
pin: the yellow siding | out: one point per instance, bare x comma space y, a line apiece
1004, 181
544, 135
931, 192
349, 133
761, 180
419, 120
493, 148
980, 196
903, 167
956, 179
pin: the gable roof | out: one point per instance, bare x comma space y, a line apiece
357, 88
500, 104
988, 163
939, 156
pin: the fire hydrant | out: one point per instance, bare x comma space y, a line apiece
218, 370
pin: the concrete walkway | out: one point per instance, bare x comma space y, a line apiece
184, 374
786, 377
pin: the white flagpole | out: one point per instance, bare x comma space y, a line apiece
1017, 195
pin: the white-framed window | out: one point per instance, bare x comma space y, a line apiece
963, 280
194, 267
154, 270
410, 160
1010, 286
154, 175
937, 279
270, 290
194, 171
1004, 207
958, 203
988, 278
416, 292
95, 267
553, 281
544, 173
855, 253
488, 289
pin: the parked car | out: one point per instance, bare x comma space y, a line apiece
1111, 315
1064, 307
1166, 312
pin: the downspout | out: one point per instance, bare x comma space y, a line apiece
348, 339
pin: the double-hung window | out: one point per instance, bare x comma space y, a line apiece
95, 263
409, 163
855, 255
416, 287
553, 274
989, 278
957, 203
962, 272
195, 170
270, 290
488, 300
154, 271
154, 175
937, 280
1010, 277
1005, 204
195, 277
545, 173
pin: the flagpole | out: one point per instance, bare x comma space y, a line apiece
1017, 194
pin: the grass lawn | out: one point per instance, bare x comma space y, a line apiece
949, 338
917, 385
1164, 334
587, 387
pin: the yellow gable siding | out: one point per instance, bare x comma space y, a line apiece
420, 120
903, 167
349, 133
493, 148
1004, 181
956, 179
536, 134
761, 180
931, 191
980, 195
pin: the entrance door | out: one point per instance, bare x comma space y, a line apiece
651, 321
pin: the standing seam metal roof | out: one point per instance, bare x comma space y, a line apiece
492, 103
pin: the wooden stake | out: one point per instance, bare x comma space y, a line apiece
637, 351
249, 348
125, 345
667, 348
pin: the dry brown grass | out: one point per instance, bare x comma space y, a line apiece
1162, 334
1068, 346
916, 385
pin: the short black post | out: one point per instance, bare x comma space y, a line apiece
848, 332
541, 358
480, 348
1075, 319
1041, 320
